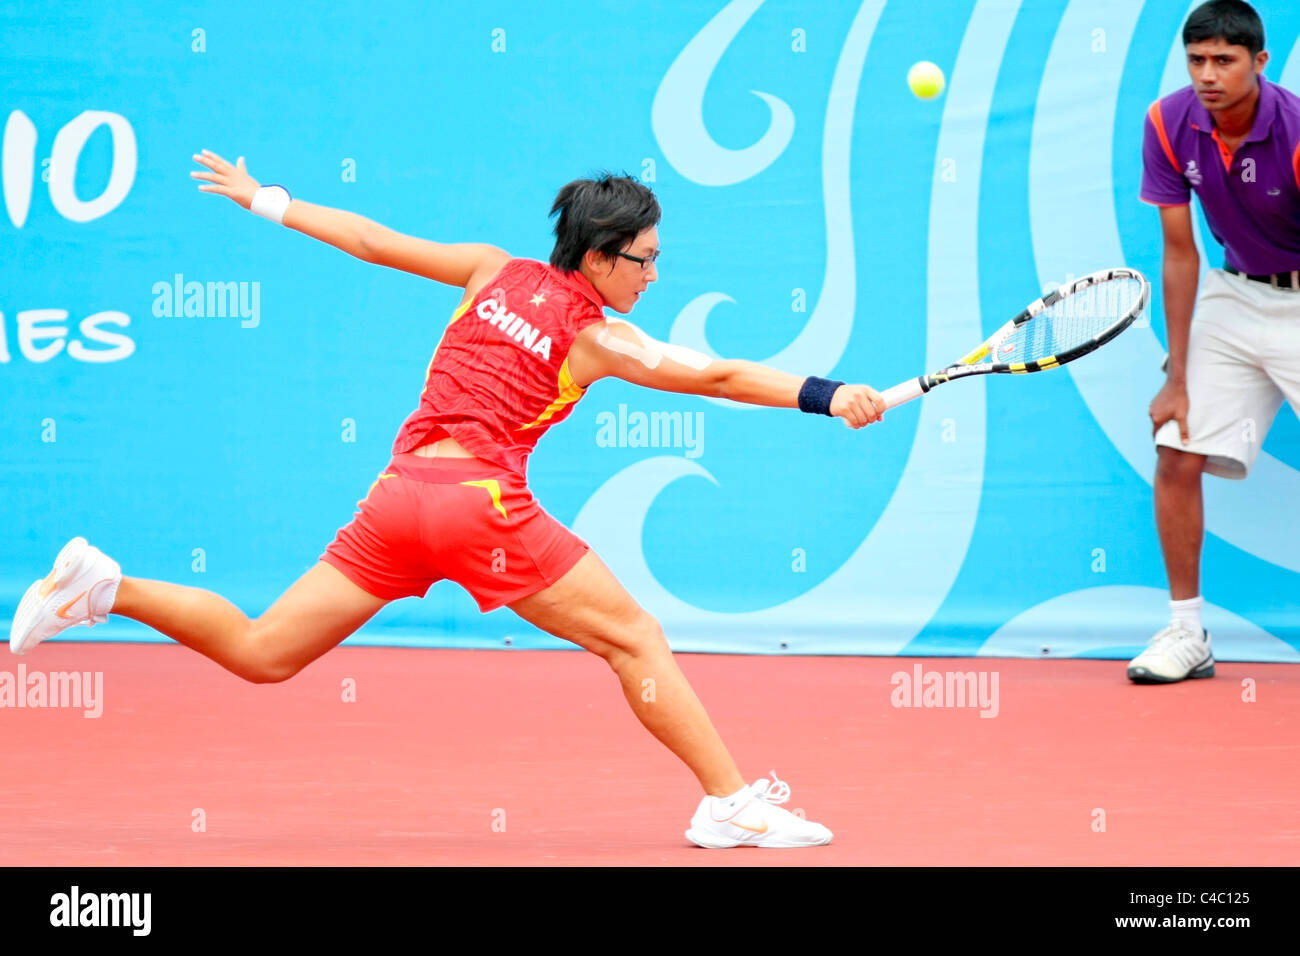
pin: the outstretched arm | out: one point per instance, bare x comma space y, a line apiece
693, 374
460, 264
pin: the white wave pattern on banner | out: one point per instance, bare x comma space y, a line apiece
1124, 617
677, 113
1175, 77
1075, 231
1290, 76
1175, 74
818, 347
891, 585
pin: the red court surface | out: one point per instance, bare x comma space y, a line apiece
439, 745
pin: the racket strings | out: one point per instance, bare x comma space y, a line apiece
1073, 320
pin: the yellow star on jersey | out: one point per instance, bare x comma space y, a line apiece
537, 299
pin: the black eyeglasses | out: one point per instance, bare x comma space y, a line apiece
645, 262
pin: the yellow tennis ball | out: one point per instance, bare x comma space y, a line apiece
925, 79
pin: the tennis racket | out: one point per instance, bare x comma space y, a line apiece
1063, 325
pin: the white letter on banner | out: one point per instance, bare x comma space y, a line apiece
68, 145
19, 165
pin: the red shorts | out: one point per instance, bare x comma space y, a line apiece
464, 519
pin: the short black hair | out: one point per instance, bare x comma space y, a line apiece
604, 213
1233, 21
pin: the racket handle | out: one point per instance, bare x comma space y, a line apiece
902, 393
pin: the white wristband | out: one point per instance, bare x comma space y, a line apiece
271, 202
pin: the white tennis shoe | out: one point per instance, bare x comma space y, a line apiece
1175, 653
751, 818
79, 590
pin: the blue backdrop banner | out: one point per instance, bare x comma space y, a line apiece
205, 395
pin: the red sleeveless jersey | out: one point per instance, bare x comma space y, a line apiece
499, 377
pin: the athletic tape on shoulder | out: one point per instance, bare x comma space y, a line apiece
650, 352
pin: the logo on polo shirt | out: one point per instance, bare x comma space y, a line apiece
1192, 173
516, 329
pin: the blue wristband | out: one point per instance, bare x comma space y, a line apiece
815, 395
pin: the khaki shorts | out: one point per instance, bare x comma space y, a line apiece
1243, 359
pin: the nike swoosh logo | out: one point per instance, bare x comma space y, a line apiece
61, 611
49, 584
761, 828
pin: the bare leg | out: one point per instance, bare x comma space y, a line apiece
590, 608
315, 614
1180, 518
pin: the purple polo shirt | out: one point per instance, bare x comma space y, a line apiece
1251, 197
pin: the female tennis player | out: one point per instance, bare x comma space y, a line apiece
526, 342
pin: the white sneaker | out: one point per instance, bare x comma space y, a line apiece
751, 818
80, 590
1174, 654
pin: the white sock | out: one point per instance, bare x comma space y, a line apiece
1188, 612
733, 797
